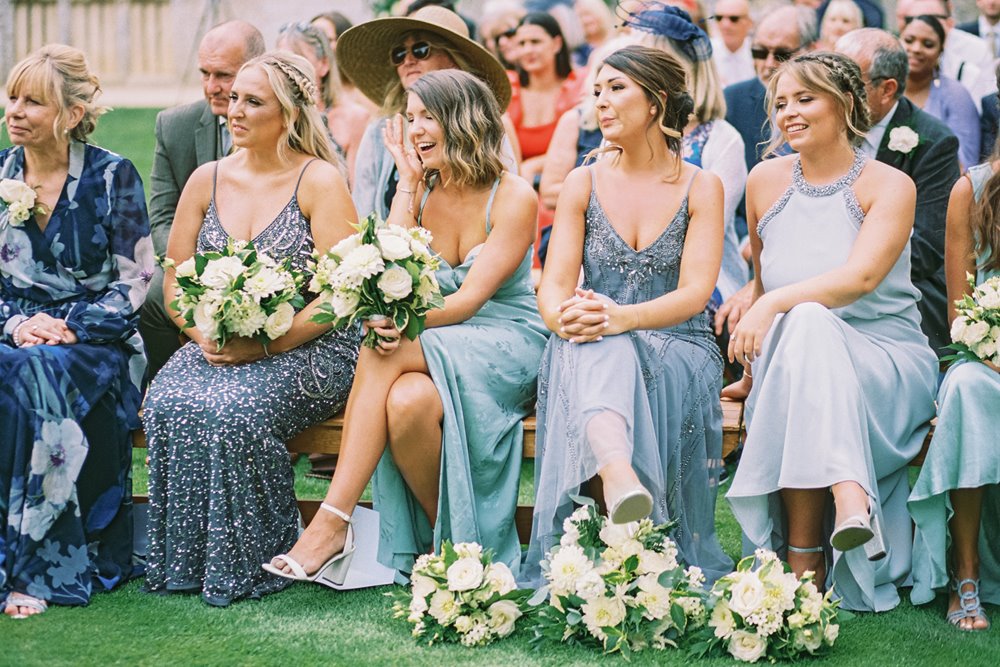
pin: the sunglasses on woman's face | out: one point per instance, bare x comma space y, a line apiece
419, 50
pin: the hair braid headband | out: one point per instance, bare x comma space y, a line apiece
303, 84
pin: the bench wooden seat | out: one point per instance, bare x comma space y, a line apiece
324, 438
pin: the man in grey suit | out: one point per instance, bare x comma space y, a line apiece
187, 137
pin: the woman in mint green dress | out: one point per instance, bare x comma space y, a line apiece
956, 499
447, 406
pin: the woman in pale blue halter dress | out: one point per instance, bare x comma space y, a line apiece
843, 379
629, 384
438, 419
956, 501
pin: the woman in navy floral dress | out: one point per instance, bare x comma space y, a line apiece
72, 278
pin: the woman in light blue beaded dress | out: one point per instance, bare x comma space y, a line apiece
630, 380
843, 379
956, 501
440, 416
221, 496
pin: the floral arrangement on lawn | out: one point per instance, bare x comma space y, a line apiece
617, 587
460, 595
18, 199
237, 292
762, 610
976, 330
381, 271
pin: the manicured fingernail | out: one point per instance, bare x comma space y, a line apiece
562, 329
600, 338
606, 325
559, 320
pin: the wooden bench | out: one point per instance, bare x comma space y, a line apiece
324, 438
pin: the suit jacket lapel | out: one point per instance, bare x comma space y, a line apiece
899, 119
206, 137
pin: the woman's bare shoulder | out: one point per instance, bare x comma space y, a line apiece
879, 179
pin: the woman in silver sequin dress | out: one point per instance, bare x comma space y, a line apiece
220, 483
628, 388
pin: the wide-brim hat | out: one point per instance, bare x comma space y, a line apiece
363, 51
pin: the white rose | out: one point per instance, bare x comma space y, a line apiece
468, 550
986, 348
360, 264
651, 562
590, 585
830, 633
503, 616
602, 613
903, 139
465, 574
17, 213
722, 620
975, 332
220, 273
422, 586
395, 284
205, 318
747, 646
443, 607
280, 321
12, 190
344, 302
463, 624
746, 595
615, 535
185, 269
393, 246
990, 298
346, 246
809, 639
958, 328
500, 578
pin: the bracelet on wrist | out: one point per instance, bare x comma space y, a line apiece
15, 335
408, 192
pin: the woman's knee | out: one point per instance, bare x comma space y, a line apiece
413, 398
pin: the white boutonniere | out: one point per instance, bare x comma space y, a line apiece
903, 139
18, 199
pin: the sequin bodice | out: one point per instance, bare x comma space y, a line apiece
288, 235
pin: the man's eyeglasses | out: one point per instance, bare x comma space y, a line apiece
728, 17
508, 33
780, 55
419, 50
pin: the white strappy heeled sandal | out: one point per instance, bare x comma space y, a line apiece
333, 571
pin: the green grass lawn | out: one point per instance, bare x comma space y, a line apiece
311, 625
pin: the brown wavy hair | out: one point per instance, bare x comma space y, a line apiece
985, 222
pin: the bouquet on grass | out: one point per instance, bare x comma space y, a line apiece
762, 610
617, 587
237, 292
460, 595
976, 330
381, 271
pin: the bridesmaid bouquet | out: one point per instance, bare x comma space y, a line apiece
460, 595
381, 271
976, 330
762, 610
617, 587
237, 292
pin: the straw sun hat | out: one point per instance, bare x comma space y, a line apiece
363, 51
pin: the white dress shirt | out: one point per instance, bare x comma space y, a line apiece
968, 55
733, 66
874, 137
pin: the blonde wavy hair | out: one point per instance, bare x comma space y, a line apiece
293, 81
60, 75
469, 116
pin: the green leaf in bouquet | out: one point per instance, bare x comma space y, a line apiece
669, 578
539, 597
573, 617
678, 616
200, 262
400, 318
631, 564
845, 616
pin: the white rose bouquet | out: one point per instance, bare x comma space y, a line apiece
617, 587
18, 199
381, 271
976, 330
237, 292
762, 610
460, 595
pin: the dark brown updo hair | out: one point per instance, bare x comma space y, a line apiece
664, 80
828, 74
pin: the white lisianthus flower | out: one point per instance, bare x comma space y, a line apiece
468, 550
463, 624
395, 284
346, 246
986, 348
830, 633
630, 548
220, 273
722, 621
796, 621
420, 234
746, 646
500, 578
746, 594
418, 605
428, 287
344, 302
503, 617
394, 247
809, 639
567, 566
651, 562
19, 198
280, 321
444, 608
17, 214
615, 535
958, 328
811, 607
185, 269
990, 298
975, 332
465, 574
571, 535
601, 613
205, 314
590, 585
360, 264
422, 586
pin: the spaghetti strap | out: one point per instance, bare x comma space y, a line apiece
301, 174
489, 204
215, 179
691, 182
423, 200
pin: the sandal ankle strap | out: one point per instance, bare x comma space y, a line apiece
805, 550
333, 510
